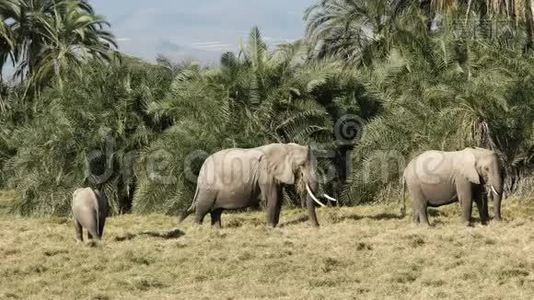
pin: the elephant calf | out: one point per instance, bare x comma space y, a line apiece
436, 178
89, 210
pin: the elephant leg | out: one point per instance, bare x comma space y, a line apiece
423, 215
273, 205
419, 206
205, 201
78, 229
415, 213
92, 228
278, 208
101, 226
415, 216
91, 233
216, 217
465, 194
200, 213
467, 206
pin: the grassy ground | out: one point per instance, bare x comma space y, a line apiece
361, 252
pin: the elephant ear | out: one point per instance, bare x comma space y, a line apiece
468, 168
279, 163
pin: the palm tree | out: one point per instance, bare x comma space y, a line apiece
71, 36
499, 13
357, 31
48, 35
87, 133
352, 30
443, 94
7, 42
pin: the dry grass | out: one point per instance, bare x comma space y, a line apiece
361, 252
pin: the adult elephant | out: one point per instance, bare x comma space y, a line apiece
436, 178
238, 178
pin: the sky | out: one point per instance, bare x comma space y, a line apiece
199, 29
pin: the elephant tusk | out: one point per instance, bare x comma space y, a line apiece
330, 198
312, 196
494, 191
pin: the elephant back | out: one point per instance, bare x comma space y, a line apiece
230, 167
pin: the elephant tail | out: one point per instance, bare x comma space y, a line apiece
403, 203
190, 210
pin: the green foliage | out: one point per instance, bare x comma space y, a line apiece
256, 97
86, 133
199, 109
46, 40
356, 31
445, 92
142, 131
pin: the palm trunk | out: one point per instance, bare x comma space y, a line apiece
467, 11
529, 20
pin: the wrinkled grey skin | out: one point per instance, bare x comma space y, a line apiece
89, 210
436, 178
238, 178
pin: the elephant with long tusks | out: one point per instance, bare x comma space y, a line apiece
238, 178
436, 178
89, 210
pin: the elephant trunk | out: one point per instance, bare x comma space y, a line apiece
310, 199
497, 206
312, 186
496, 185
